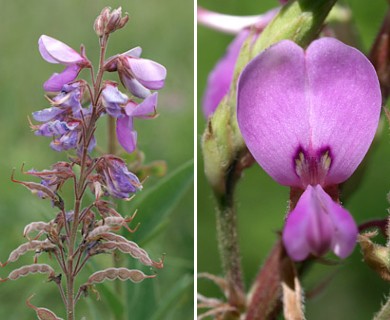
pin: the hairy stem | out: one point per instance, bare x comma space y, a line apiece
228, 241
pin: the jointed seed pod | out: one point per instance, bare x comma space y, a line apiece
37, 246
42, 313
30, 269
130, 244
95, 233
39, 226
117, 273
119, 221
128, 247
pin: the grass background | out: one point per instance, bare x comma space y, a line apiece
164, 29
355, 291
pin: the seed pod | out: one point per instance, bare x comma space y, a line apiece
37, 187
95, 233
42, 313
117, 273
130, 247
37, 246
30, 269
120, 222
105, 210
39, 226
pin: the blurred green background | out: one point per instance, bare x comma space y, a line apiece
164, 29
355, 291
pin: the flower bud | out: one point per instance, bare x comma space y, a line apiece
221, 144
108, 22
114, 20
123, 21
101, 21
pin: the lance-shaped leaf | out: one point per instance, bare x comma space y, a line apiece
122, 274
30, 269
35, 245
42, 313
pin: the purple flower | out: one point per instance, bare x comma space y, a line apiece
126, 134
63, 121
114, 100
138, 75
308, 118
220, 78
55, 51
119, 182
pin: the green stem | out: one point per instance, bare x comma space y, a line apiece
80, 185
228, 241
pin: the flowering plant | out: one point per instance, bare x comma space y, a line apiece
74, 234
306, 108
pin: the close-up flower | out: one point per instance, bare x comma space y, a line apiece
127, 136
308, 118
293, 152
55, 51
137, 74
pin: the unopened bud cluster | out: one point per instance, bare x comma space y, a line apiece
108, 21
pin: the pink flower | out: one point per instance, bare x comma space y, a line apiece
138, 75
220, 78
127, 136
308, 117
54, 51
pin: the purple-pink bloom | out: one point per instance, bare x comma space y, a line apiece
119, 182
138, 75
63, 120
221, 77
126, 134
308, 117
55, 51
113, 100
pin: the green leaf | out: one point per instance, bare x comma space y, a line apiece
113, 300
92, 308
157, 202
109, 297
141, 298
171, 297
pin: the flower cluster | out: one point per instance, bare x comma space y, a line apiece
63, 121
